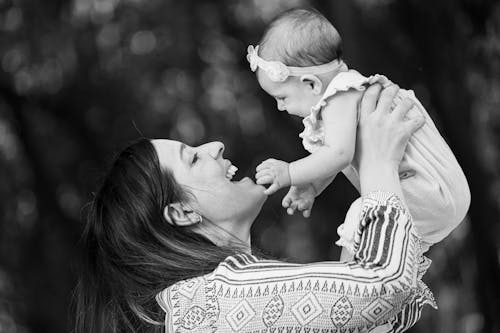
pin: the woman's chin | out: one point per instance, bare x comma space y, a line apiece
243, 181
248, 182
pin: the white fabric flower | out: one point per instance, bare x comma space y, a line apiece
275, 70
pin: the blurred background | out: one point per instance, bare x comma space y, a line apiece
79, 79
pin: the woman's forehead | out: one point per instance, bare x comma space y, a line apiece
168, 151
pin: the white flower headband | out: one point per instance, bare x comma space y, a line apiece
279, 72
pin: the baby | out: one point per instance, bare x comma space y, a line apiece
298, 62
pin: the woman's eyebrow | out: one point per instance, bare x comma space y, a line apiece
181, 151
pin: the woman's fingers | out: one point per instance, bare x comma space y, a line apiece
370, 98
403, 108
400, 113
414, 124
386, 98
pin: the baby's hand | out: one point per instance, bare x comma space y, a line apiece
274, 172
301, 198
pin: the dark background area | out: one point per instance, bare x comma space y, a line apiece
79, 79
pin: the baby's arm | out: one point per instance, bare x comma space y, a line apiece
340, 122
320, 184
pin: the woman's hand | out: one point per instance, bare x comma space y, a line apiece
382, 136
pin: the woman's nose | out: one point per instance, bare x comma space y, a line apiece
215, 149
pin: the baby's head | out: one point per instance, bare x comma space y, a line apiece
300, 38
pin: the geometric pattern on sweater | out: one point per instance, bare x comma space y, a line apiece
193, 318
306, 309
248, 294
240, 315
373, 311
341, 312
273, 310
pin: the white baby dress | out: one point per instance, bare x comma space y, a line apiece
434, 185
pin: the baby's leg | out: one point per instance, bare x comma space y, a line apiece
436, 191
434, 186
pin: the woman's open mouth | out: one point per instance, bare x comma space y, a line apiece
231, 171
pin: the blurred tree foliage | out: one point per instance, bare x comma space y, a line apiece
81, 78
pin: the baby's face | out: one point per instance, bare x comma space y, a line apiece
293, 96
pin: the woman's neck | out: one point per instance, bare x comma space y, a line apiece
228, 233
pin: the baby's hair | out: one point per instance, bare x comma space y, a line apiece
301, 37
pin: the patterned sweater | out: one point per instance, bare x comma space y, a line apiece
379, 291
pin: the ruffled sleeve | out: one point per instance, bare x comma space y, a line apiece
313, 134
353, 80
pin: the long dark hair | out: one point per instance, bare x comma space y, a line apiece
130, 252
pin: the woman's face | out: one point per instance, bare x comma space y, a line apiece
204, 173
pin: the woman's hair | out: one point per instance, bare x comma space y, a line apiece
130, 252
301, 37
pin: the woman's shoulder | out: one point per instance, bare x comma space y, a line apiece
231, 266
246, 266
194, 293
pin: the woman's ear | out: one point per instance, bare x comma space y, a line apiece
181, 215
314, 82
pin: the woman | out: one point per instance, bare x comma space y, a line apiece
169, 227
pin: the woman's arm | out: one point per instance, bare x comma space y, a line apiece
378, 284
246, 293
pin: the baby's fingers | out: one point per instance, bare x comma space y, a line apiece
264, 165
265, 179
304, 205
262, 173
287, 200
291, 209
272, 189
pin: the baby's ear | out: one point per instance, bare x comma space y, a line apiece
314, 82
